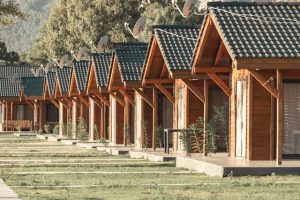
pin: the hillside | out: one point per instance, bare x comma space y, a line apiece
19, 36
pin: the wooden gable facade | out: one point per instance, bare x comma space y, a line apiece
262, 78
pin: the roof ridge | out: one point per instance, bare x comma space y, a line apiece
176, 26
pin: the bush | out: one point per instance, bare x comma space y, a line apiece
81, 130
145, 137
68, 129
160, 136
56, 130
197, 139
47, 128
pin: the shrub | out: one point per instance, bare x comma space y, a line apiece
160, 136
146, 138
68, 129
47, 128
81, 130
56, 130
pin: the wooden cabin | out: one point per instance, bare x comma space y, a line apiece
77, 92
124, 77
14, 113
44, 112
181, 98
263, 55
98, 96
62, 84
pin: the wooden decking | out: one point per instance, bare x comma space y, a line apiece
221, 165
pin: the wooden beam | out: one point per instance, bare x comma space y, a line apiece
279, 118
128, 97
63, 103
96, 101
118, 99
165, 92
164, 70
144, 96
264, 82
54, 103
154, 80
84, 101
67, 100
194, 90
220, 83
206, 30
103, 99
219, 53
212, 69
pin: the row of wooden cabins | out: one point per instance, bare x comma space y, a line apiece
250, 64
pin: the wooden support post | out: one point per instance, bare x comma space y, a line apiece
279, 118
272, 154
154, 119
35, 115
113, 120
61, 119
74, 117
92, 119
6, 116
102, 121
126, 121
205, 116
42, 114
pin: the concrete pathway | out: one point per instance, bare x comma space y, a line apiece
7, 193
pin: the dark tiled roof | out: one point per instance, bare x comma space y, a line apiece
7, 71
102, 63
131, 57
33, 86
51, 77
9, 88
258, 38
63, 77
81, 69
176, 50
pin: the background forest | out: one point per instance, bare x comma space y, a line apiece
52, 28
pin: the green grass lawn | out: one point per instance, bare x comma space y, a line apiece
36, 169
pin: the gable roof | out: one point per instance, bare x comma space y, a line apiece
7, 71
248, 35
33, 86
177, 51
102, 62
9, 88
130, 58
81, 69
63, 77
51, 77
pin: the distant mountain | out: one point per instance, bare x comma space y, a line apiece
19, 36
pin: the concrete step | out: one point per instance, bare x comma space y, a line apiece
21, 134
6, 192
69, 142
151, 156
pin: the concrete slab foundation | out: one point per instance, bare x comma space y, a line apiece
6, 192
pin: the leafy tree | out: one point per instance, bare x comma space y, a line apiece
9, 12
74, 23
8, 56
